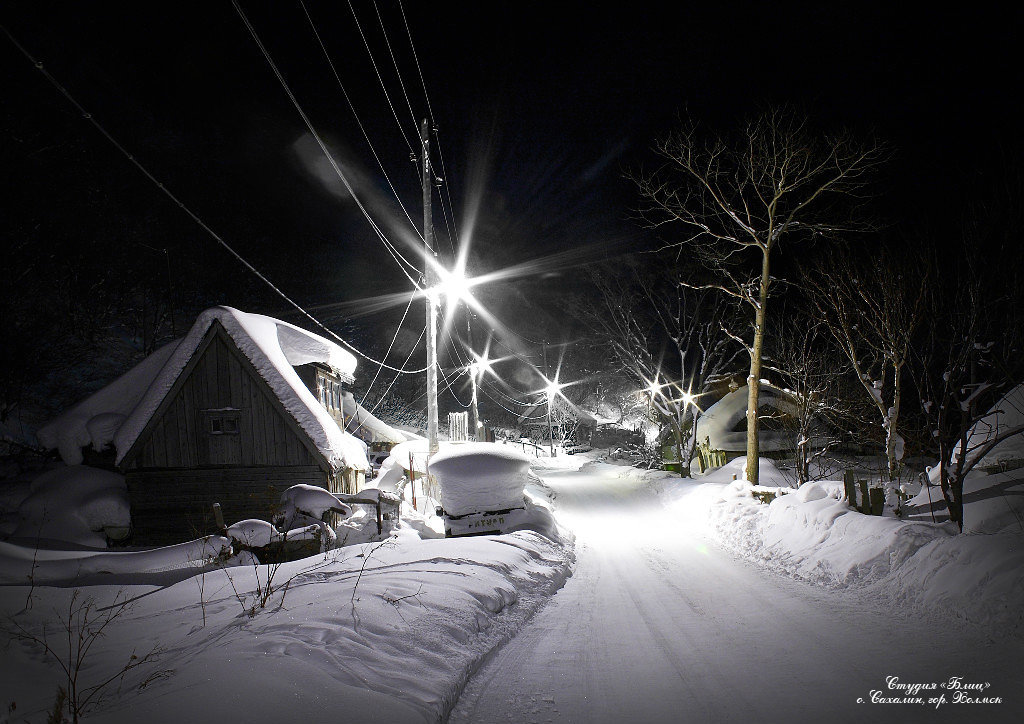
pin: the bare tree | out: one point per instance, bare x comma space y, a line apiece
812, 372
968, 358
872, 308
655, 328
742, 197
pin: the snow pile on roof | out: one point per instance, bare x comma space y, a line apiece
96, 419
719, 422
273, 347
365, 425
74, 504
479, 477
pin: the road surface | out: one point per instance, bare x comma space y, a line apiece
658, 625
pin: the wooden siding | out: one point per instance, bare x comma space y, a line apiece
177, 469
170, 506
220, 377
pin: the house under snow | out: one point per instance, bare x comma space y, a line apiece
243, 407
722, 428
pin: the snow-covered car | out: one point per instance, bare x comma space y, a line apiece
481, 488
481, 523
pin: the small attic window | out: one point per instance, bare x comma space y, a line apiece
222, 422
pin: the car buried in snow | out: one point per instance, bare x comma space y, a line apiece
482, 488
490, 522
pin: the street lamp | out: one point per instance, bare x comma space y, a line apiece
476, 370
550, 391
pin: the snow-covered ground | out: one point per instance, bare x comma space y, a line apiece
375, 632
680, 599
677, 611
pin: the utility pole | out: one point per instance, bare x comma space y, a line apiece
430, 279
474, 372
474, 413
551, 436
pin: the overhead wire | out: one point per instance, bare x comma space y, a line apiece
395, 254
394, 339
373, 62
394, 62
188, 211
359, 121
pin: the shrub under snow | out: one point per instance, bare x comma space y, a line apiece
74, 504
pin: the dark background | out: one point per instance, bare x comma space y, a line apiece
539, 111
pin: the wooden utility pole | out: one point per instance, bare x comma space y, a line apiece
430, 279
548, 394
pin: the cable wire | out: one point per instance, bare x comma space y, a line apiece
180, 204
359, 121
395, 254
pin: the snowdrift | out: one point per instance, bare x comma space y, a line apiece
813, 534
74, 504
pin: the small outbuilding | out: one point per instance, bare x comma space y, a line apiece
236, 412
722, 428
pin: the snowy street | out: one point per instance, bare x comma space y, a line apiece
657, 624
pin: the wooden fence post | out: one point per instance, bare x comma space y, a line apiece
218, 516
877, 501
850, 487
412, 481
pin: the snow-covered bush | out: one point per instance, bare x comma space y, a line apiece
75, 504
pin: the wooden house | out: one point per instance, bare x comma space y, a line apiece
239, 412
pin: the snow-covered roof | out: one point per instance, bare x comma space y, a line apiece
95, 420
1006, 415
362, 423
720, 421
273, 347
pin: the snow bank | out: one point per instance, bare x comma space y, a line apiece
73, 504
377, 632
478, 477
813, 534
273, 347
21, 564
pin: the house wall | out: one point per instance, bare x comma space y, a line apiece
181, 465
171, 506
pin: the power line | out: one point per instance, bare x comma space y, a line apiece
180, 204
359, 121
373, 62
395, 254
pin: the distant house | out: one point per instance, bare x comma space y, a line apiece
243, 407
722, 428
568, 421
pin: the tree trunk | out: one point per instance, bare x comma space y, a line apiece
754, 378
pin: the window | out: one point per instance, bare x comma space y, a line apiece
222, 422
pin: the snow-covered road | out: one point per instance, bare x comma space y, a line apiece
659, 625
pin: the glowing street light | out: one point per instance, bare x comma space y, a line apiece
477, 369
551, 391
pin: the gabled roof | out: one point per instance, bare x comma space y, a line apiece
535, 413
273, 347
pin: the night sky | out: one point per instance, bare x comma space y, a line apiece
540, 110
